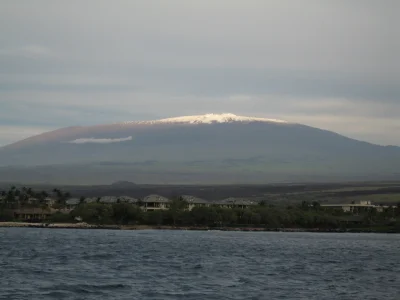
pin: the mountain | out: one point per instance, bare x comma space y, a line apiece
212, 148
123, 184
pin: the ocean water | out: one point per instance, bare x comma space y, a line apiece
152, 264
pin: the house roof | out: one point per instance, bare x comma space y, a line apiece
108, 199
126, 199
235, 201
194, 200
90, 200
155, 198
72, 201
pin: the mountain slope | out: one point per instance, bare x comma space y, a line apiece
233, 148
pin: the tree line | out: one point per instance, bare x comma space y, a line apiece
262, 215
14, 197
302, 215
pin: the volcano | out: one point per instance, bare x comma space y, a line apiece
209, 149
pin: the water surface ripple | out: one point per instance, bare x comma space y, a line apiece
151, 264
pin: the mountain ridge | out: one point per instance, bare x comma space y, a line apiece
195, 147
183, 120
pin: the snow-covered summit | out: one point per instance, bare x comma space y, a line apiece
209, 119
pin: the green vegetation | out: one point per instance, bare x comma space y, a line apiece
15, 198
301, 214
376, 195
305, 215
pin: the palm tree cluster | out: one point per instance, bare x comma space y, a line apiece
18, 197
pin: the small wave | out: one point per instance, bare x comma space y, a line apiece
98, 256
85, 288
111, 287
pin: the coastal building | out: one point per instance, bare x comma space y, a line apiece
155, 202
108, 199
72, 203
91, 200
195, 202
235, 203
126, 199
49, 202
354, 207
32, 214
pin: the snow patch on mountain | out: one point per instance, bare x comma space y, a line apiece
209, 119
99, 141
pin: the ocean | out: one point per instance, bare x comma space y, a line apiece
158, 264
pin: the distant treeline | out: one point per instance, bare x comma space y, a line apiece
275, 193
22, 197
302, 216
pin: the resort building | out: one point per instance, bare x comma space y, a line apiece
126, 199
72, 203
355, 207
91, 200
235, 203
49, 202
108, 199
155, 202
195, 202
32, 214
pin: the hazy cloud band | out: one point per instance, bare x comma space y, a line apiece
99, 141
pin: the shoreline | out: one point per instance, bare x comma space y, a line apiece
195, 228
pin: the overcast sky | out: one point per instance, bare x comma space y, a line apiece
329, 64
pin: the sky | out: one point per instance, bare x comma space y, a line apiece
328, 64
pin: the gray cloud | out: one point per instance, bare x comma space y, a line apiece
99, 141
331, 64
